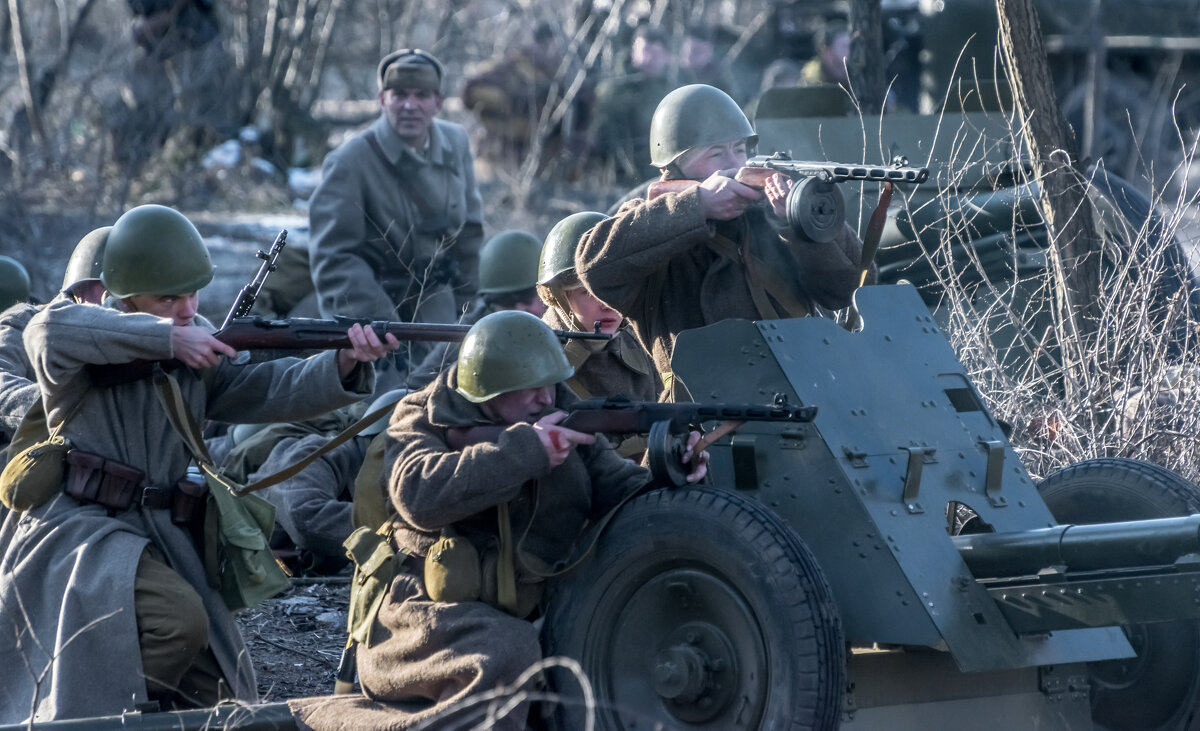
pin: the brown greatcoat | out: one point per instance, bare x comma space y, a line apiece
657, 263
619, 367
427, 656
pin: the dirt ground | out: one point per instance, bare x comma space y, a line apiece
296, 639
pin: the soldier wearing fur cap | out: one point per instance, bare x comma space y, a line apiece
397, 221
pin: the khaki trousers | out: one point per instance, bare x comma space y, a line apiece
180, 669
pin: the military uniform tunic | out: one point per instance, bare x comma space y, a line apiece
66, 568
657, 262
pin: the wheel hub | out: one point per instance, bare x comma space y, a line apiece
695, 671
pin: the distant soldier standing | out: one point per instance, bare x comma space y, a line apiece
711, 252
397, 221
114, 604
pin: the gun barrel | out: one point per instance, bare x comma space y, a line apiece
837, 172
1095, 547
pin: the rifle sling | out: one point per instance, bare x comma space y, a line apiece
167, 389
870, 246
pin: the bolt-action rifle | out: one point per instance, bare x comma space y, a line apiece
665, 423
301, 334
245, 299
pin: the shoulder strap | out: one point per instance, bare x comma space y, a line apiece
167, 389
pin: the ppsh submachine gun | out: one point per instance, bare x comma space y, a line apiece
815, 206
825, 577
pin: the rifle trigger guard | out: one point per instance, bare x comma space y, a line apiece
664, 450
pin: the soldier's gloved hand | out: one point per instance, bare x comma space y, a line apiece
559, 441
366, 347
724, 198
196, 347
699, 461
777, 188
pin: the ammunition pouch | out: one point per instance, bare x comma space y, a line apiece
452, 570
375, 565
117, 486
188, 501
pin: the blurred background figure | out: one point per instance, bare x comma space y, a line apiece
700, 62
832, 43
620, 132
525, 96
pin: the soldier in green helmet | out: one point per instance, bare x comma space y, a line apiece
112, 588
715, 250
616, 367
508, 266
519, 505
18, 387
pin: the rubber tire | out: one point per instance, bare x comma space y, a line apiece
785, 622
1160, 689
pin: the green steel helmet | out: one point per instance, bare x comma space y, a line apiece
508, 262
507, 351
14, 282
153, 249
693, 116
558, 253
381, 423
87, 261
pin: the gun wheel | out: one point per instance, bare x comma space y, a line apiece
1160, 688
699, 608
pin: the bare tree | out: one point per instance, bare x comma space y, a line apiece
1075, 246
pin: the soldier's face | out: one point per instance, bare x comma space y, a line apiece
180, 309
589, 311
700, 162
523, 405
649, 57
411, 112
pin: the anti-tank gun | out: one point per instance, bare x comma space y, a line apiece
824, 578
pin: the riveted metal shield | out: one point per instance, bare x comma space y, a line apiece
693, 116
153, 249
507, 351
508, 262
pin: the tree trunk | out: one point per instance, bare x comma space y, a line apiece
1075, 246
866, 55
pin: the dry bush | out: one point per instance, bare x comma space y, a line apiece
1128, 392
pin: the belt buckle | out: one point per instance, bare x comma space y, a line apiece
152, 496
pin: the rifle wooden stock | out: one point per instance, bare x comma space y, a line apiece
298, 333
619, 415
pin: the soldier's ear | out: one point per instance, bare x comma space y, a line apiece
440, 100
